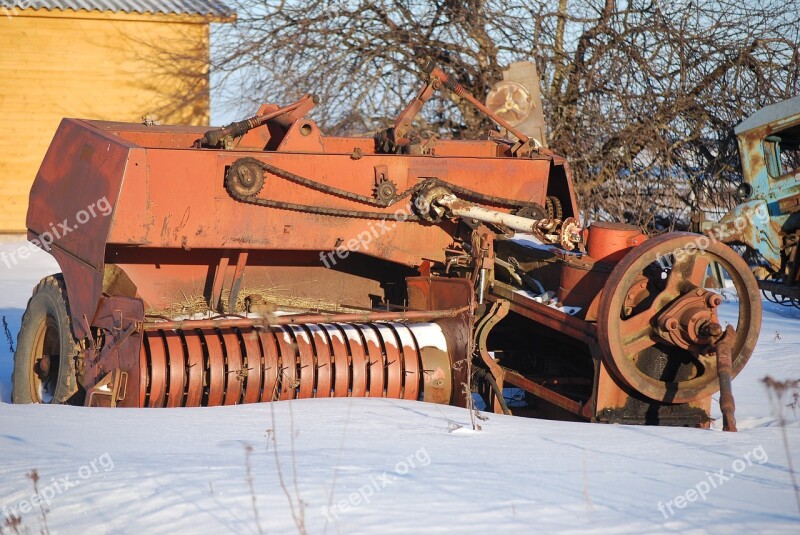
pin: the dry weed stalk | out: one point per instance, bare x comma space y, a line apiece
777, 390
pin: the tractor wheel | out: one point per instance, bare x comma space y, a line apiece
44, 362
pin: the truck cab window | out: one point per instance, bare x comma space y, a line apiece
782, 152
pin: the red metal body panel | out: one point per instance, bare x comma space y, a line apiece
183, 202
162, 193
82, 167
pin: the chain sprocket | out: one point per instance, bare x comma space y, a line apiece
385, 191
533, 212
553, 207
244, 177
251, 198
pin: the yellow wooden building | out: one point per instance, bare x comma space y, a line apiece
120, 60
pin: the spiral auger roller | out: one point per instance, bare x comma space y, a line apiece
208, 367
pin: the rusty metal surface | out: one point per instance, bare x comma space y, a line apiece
161, 193
494, 314
609, 242
156, 359
176, 364
629, 335
245, 365
119, 318
433, 293
287, 367
253, 364
270, 366
394, 363
581, 283
358, 360
449, 82
233, 365
77, 153
437, 376
214, 368
305, 361
375, 359
173, 280
286, 115
151, 206
725, 374
411, 315
194, 368
550, 317
159, 221
514, 378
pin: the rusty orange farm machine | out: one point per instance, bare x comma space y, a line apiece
266, 261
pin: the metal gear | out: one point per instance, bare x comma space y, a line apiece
570, 234
553, 208
532, 212
245, 177
385, 191
341, 212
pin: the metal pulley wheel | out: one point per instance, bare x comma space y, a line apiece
245, 177
657, 325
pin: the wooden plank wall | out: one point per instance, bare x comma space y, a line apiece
120, 67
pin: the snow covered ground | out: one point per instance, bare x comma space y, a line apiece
388, 466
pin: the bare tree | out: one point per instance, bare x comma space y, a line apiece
641, 96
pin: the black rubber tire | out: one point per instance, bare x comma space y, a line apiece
46, 329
